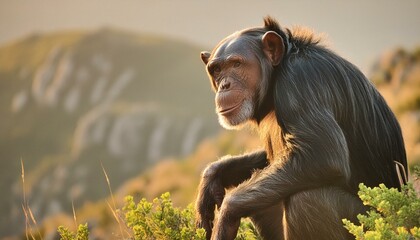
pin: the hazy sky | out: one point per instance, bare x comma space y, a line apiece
358, 30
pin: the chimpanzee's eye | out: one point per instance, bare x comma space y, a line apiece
216, 70
237, 64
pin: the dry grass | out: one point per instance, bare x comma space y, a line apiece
124, 231
31, 224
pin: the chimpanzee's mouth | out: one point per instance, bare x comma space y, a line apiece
226, 111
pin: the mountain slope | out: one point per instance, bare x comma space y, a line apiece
71, 100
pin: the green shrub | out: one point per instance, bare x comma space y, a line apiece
394, 214
82, 233
160, 220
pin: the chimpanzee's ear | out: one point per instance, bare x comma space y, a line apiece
273, 47
205, 57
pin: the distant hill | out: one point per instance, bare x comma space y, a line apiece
397, 75
70, 101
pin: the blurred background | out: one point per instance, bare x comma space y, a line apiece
88, 86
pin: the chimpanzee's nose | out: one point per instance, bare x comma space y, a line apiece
225, 85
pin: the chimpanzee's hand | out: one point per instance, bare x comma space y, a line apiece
211, 194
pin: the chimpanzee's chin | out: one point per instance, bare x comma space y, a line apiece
236, 120
229, 124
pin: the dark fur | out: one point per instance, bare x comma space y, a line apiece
326, 129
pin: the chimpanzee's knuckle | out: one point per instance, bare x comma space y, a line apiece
211, 170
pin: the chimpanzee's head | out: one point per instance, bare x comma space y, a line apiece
239, 69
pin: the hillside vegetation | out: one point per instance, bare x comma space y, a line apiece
179, 177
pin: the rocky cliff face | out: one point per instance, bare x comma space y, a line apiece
71, 101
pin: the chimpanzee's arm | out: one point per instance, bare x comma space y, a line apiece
232, 170
226, 173
318, 157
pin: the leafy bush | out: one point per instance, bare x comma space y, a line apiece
82, 233
160, 220
395, 214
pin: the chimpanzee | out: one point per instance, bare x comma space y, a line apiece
325, 128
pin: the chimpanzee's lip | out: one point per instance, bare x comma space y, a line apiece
228, 110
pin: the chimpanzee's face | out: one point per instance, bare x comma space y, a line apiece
235, 75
